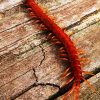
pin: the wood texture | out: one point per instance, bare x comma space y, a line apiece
29, 68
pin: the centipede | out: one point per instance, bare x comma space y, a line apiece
67, 49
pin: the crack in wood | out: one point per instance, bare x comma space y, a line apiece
68, 27
88, 26
33, 86
21, 60
62, 90
15, 78
43, 55
35, 75
82, 19
43, 52
16, 25
29, 69
14, 43
66, 88
12, 64
17, 55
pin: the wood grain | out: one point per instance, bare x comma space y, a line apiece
29, 68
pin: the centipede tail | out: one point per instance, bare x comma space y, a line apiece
68, 51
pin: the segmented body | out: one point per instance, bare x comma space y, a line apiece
72, 55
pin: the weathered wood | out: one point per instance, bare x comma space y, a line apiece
28, 62
85, 92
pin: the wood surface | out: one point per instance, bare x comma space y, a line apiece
29, 65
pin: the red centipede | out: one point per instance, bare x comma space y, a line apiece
67, 49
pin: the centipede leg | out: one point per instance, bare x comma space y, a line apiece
68, 81
65, 72
53, 37
63, 55
57, 43
88, 83
69, 92
77, 88
50, 35
43, 28
32, 15
87, 72
61, 48
63, 59
80, 51
61, 51
84, 61
65, 76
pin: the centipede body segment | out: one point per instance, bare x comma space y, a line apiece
68, 51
